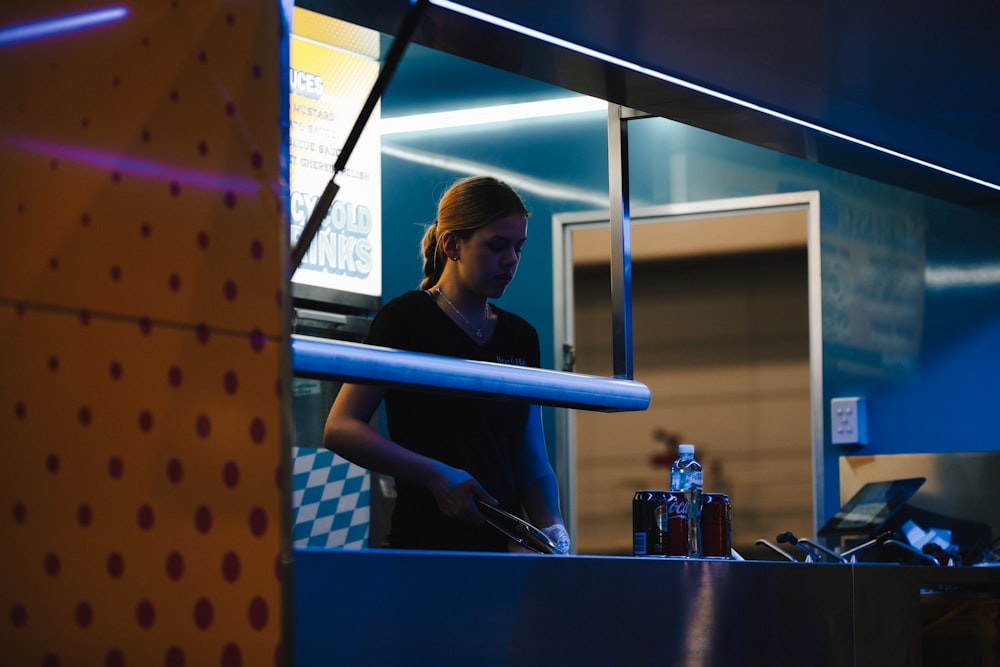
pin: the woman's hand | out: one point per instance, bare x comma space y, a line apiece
457, 493
556, 533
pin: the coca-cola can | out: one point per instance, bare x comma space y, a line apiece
716, 525
649, 522
677, 524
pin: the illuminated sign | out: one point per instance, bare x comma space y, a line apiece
333, 68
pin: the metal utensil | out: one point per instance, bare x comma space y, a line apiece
517, 529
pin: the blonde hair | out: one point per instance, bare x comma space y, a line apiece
469, 204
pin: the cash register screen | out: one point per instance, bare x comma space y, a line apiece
871, 507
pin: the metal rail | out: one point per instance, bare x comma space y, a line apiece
356, 362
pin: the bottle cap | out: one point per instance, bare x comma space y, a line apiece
685, 449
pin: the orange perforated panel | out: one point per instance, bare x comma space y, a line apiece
143, 348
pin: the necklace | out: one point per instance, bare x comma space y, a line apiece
478, 330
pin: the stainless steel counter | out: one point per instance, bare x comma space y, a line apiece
411, 608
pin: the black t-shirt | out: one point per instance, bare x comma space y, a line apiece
477, 435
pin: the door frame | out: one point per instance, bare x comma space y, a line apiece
563, 225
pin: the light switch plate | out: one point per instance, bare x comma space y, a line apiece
849, 421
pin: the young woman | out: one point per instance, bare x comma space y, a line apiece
448, 452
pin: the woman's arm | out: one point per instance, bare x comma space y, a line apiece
540, 492
349, 433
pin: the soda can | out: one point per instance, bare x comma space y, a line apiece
677, 524
649, 512
716, 525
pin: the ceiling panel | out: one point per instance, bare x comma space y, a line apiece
915, 77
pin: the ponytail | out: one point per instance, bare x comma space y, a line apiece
433, 255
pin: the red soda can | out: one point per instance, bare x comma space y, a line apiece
649, 522
716, 525
677, 524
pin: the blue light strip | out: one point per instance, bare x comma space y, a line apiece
24, 32
138, 166
355, 362
583, 50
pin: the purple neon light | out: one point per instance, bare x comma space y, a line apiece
139, 167
24, 32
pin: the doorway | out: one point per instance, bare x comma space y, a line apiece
725, 326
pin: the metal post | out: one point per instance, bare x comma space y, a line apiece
621, 243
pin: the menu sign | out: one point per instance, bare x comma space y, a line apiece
873, 290
333, 66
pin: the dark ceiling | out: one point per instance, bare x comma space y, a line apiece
916, 77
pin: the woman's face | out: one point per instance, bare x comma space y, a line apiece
488, 259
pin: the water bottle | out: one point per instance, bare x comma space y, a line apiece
686, 477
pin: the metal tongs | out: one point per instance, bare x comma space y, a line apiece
517, 529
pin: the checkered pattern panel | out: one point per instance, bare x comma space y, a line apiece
331, 500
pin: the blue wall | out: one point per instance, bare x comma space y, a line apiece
911, 294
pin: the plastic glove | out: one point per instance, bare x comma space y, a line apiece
557, 533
